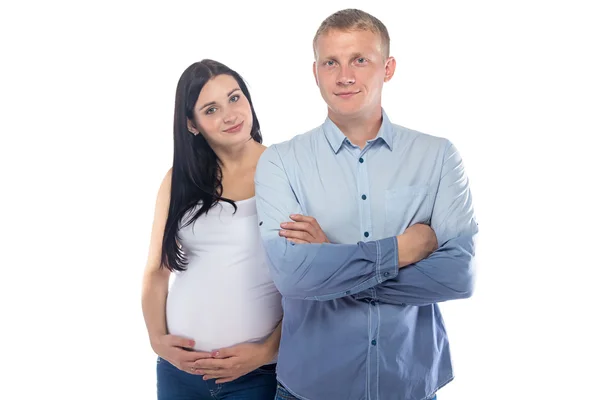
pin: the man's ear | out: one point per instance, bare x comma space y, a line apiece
390, 68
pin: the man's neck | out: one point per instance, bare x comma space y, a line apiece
358, 129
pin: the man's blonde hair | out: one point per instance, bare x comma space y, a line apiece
353, 19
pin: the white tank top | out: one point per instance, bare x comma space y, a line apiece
226, 295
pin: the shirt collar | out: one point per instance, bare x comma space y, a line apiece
336, 137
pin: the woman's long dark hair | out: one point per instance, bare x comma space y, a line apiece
196, 175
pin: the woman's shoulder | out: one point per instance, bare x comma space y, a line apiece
164, 191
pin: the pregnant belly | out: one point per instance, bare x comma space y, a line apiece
220, 315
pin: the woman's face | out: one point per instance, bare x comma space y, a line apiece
222, 114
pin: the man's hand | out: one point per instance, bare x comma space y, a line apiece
304, 229
232, 362
416, 243
174, 349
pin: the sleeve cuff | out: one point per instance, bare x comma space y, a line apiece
387, 259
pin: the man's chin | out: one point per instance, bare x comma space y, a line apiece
346, 111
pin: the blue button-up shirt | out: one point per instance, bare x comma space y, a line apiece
356, 326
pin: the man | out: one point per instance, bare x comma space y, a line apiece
359, 265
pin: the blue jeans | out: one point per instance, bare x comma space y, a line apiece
175, 384
283, 394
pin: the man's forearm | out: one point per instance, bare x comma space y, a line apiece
447, 274
329, 271
416, 243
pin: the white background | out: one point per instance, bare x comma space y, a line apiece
87, 92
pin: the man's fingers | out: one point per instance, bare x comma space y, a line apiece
298, 241
299, 226
306, 224
303, 218
295, 235
312, 221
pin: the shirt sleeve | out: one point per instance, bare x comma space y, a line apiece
448, 273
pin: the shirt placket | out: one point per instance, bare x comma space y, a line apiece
364, 206
363, 196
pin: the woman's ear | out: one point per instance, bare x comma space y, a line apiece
192, 128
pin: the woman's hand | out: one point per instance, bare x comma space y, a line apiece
232, 362
174, 349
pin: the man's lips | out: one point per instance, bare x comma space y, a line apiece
346, 95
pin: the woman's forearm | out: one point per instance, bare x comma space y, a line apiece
154, 299
272, 342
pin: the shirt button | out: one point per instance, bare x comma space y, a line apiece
361, 160
348, 292
260, 223
364, 197
374, 342
373, 302
386, 274
366, 234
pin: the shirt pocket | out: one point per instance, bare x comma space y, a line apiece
406, 206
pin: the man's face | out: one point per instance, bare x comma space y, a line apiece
350, 71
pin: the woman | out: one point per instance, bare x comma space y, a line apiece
216, 331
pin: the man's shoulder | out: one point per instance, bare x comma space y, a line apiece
297, 142
302, 139
420, 138
279, 152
